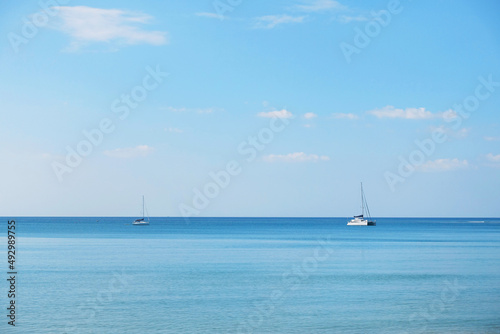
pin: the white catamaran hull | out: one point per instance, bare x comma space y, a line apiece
360, 222
140, 223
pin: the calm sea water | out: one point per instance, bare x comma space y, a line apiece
255, 275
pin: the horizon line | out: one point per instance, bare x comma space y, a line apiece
312, 217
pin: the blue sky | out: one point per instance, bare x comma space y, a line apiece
323, 117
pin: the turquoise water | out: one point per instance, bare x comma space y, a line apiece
255, 275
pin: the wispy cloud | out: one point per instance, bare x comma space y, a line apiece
196, 110
276, 114
295, 157
210, 15
443, 165
271, 21
130, 152
409, 113
344, 116
493, 158
206, 110
308, 7
490, 138
114, 27
462, 133
310, 115
320, 6
174, 130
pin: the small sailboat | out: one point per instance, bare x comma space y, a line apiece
360, 220
142, 221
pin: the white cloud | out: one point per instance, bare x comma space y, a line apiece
295, 157
344, 116
87, 25
310, 115
271, 21
130, 152
320, 6
443, 165
493, 158
276, 114
409, 113
491, 138
448, 114
210, 15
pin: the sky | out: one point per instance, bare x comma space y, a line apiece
250, 108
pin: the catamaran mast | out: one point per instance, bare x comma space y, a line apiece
362, 202
365, 203
143, 207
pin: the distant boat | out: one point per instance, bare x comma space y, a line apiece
361, 220
142, 221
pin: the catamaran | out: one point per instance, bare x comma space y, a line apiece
142, 221
360, 220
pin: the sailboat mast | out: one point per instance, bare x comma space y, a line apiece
362, 202
142, 206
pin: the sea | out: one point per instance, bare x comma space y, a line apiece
252, 275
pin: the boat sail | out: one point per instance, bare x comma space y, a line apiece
142, 221
360, 220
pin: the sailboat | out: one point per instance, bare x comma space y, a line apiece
360, 220
142, 221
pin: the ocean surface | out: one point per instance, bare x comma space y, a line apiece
254, 275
